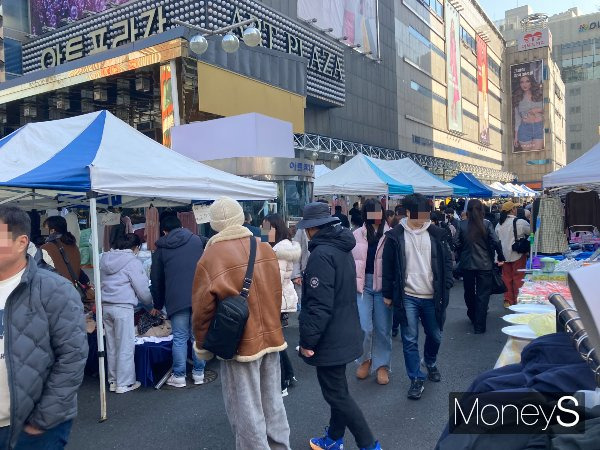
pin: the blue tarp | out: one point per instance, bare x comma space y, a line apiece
475, 187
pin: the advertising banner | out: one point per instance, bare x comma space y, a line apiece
355, 20
55, 13
453, 68
167, 111
483, 111
534, 39
527, 88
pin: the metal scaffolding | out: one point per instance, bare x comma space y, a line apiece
439, 166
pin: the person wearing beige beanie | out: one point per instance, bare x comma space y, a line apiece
253, 376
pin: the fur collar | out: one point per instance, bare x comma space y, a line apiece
287, 250
229, 234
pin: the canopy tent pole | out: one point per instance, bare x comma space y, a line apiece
99, 324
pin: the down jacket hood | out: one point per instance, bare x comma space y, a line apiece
287, 250
115, 260
335, 236
175, 239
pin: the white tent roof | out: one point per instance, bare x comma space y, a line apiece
584, 172
359, 176
321, 169
99, 152
498, 192
409, 172
512, 188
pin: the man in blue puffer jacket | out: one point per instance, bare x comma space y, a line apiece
43, 344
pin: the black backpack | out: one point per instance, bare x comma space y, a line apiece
227, 327
520, 245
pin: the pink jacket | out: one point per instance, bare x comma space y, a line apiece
359, 252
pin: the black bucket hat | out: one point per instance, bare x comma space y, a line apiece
315, 215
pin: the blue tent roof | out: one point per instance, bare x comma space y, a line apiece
475, 187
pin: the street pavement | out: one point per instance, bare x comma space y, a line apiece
194, 418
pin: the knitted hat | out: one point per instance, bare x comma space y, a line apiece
224, 213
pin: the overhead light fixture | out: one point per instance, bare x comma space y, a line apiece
198, 44
252, 36
230, 43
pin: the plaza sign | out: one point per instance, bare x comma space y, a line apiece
589, 26
534, 39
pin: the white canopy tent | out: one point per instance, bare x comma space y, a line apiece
583, 172
321, 169
95, 154
514, 191
497, 192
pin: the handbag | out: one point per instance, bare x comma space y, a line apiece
227, 327
521, 245
498, 286
79, 287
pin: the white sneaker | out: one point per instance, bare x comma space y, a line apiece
178, 382
284, 393
131, 387
112, 386
198, 379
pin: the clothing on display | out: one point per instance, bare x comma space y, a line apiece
188, 220
551, 236
152, 227
73, 225
582, 208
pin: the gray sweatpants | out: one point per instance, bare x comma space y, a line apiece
252, 396
120, 343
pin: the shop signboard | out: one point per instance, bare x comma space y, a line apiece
355, 22
482, 91
534, 39
134, 21
453, 65
527, 88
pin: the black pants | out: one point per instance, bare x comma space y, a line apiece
345, 413
478, 288
287, 370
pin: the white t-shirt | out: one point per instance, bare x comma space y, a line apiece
6, 288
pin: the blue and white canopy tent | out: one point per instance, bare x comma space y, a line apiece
359, 176
95, 154
475, 187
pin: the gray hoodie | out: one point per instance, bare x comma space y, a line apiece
123, 279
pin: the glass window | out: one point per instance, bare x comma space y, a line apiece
439, 8
16, 14
427, 92
13, 56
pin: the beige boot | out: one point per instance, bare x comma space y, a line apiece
383, 376
363, 370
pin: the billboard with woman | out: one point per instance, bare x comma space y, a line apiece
482, 91
527, 87
453, 69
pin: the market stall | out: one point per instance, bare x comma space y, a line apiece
498, 192
321, 169
97, 155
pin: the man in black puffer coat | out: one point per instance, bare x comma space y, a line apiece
330, 332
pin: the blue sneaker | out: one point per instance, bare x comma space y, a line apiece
376, 447
326, 443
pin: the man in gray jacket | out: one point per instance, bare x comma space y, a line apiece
43, 344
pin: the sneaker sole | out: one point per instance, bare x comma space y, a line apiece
176, 385
197, 383
414, 397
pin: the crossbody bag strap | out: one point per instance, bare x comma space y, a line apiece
250, 269
67, 262
515, 229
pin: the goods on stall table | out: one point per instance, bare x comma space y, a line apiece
538, 291
532, 308
519, 332
540, 324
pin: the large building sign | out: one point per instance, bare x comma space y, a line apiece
483, 110
134, 21
454, 89
534, 39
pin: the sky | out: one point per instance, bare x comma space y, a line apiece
495, 8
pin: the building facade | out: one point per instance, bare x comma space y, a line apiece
576, 50
378, 85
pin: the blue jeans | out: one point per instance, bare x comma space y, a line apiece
53, 439
181, 322
376, 322
424, 309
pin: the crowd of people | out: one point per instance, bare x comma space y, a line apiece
356, 284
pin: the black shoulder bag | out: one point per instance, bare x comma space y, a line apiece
76, 283
227, 327
498, 286
521, 245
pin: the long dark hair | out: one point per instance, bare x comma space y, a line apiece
370, 206
536, 91
281, 230
59, 224
503, 217
475, 214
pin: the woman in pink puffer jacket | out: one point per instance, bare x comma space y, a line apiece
375, 315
